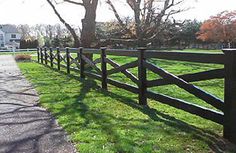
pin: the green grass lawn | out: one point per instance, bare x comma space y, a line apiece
17, 53
200, 50
112, 121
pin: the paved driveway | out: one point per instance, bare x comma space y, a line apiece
25, 127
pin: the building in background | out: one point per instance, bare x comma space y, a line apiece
2, 39
9, 36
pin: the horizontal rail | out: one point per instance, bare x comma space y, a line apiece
117, 52
200, 76
210, 58
210, 99
203, 112
188, 57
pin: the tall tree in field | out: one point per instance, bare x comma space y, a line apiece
149, 18
219, 28
88, 22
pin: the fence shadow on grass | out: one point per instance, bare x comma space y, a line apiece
106, 121
214, 141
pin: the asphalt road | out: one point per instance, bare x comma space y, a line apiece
25, 127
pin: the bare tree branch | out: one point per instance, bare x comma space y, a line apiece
72, 31
74, 2
150, 17
149, 11
121, 23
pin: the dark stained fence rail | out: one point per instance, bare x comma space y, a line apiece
227, 114
217, 103
194, 77
187, 57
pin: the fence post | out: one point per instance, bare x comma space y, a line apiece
38, 54
41, 53
51, 57
230, 95
82, 63
67, 60
46, 57
58, 59
142, 76
104, 68
78, 59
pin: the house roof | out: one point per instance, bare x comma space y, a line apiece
8, 28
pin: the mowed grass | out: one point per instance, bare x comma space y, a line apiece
17, 53
112, 121
200, 50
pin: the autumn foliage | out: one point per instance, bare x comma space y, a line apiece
219, 28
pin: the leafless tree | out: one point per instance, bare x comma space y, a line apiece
67, 25
149, 18
88, 22
24, 30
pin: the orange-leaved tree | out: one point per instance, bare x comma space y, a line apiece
219, 28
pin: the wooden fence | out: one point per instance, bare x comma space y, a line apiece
227, 114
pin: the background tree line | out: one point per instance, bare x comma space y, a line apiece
151, 24
107, 33
45, 35
188, 34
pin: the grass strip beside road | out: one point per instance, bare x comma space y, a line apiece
112, 121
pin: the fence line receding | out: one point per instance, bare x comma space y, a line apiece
226, 116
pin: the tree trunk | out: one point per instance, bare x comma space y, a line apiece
88, 28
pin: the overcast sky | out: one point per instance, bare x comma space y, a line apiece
37, 11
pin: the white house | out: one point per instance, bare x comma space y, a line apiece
2, 38
9, 36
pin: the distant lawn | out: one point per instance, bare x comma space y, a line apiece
16, 53
185, 50
203, 50
112, 121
